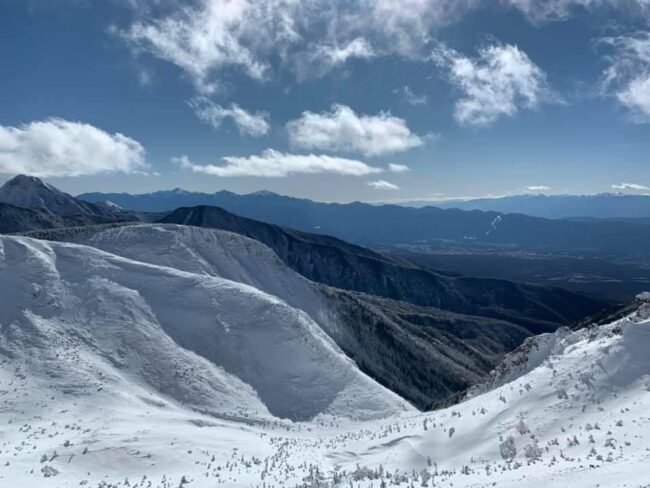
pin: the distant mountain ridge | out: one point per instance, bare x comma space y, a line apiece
600, 206
337, 263
392, 224
163, 200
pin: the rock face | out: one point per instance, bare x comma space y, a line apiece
33, 193
342, 265
424, 354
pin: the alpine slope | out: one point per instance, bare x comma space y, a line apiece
148, 356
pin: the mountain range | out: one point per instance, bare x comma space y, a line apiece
425, 354
208, 348
376, 225
601, 206
337, 263
422, 334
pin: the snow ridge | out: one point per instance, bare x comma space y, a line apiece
133, 310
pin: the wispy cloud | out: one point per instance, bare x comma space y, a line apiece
549, 10
208, 38
627, 76
538, 188
499, 82
58, 147
382, 185
205, 37
341, 129
410, 97
322, 58
440, 198
275, 164
252, 124
398, 168
631, 186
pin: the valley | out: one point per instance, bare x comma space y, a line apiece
211, 349
613, 278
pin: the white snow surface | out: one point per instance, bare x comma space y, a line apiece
151, 370
212, 252
137, 316
217, 253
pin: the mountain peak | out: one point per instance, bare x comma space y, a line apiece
33, 193
30, 192
26, 181
263, 193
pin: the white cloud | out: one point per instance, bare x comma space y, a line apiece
205, 37
411, 98
342, 129
252, 124
322, 58
548, 10
397, 168
499, 82
631, 186
404, 27
357, 48
539, 188
57, 147
274, 164
636, 97
628, 73
215, 35
382, 185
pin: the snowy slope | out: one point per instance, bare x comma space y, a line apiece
168, 329
423, 354
76, 412
212, 252
108, 377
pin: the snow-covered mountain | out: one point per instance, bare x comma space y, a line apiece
206, 342
347, 266
33, 193
424, 354
115, 371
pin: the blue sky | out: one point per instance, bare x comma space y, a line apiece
328, 100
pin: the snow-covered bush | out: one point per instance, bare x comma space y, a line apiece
508, 449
